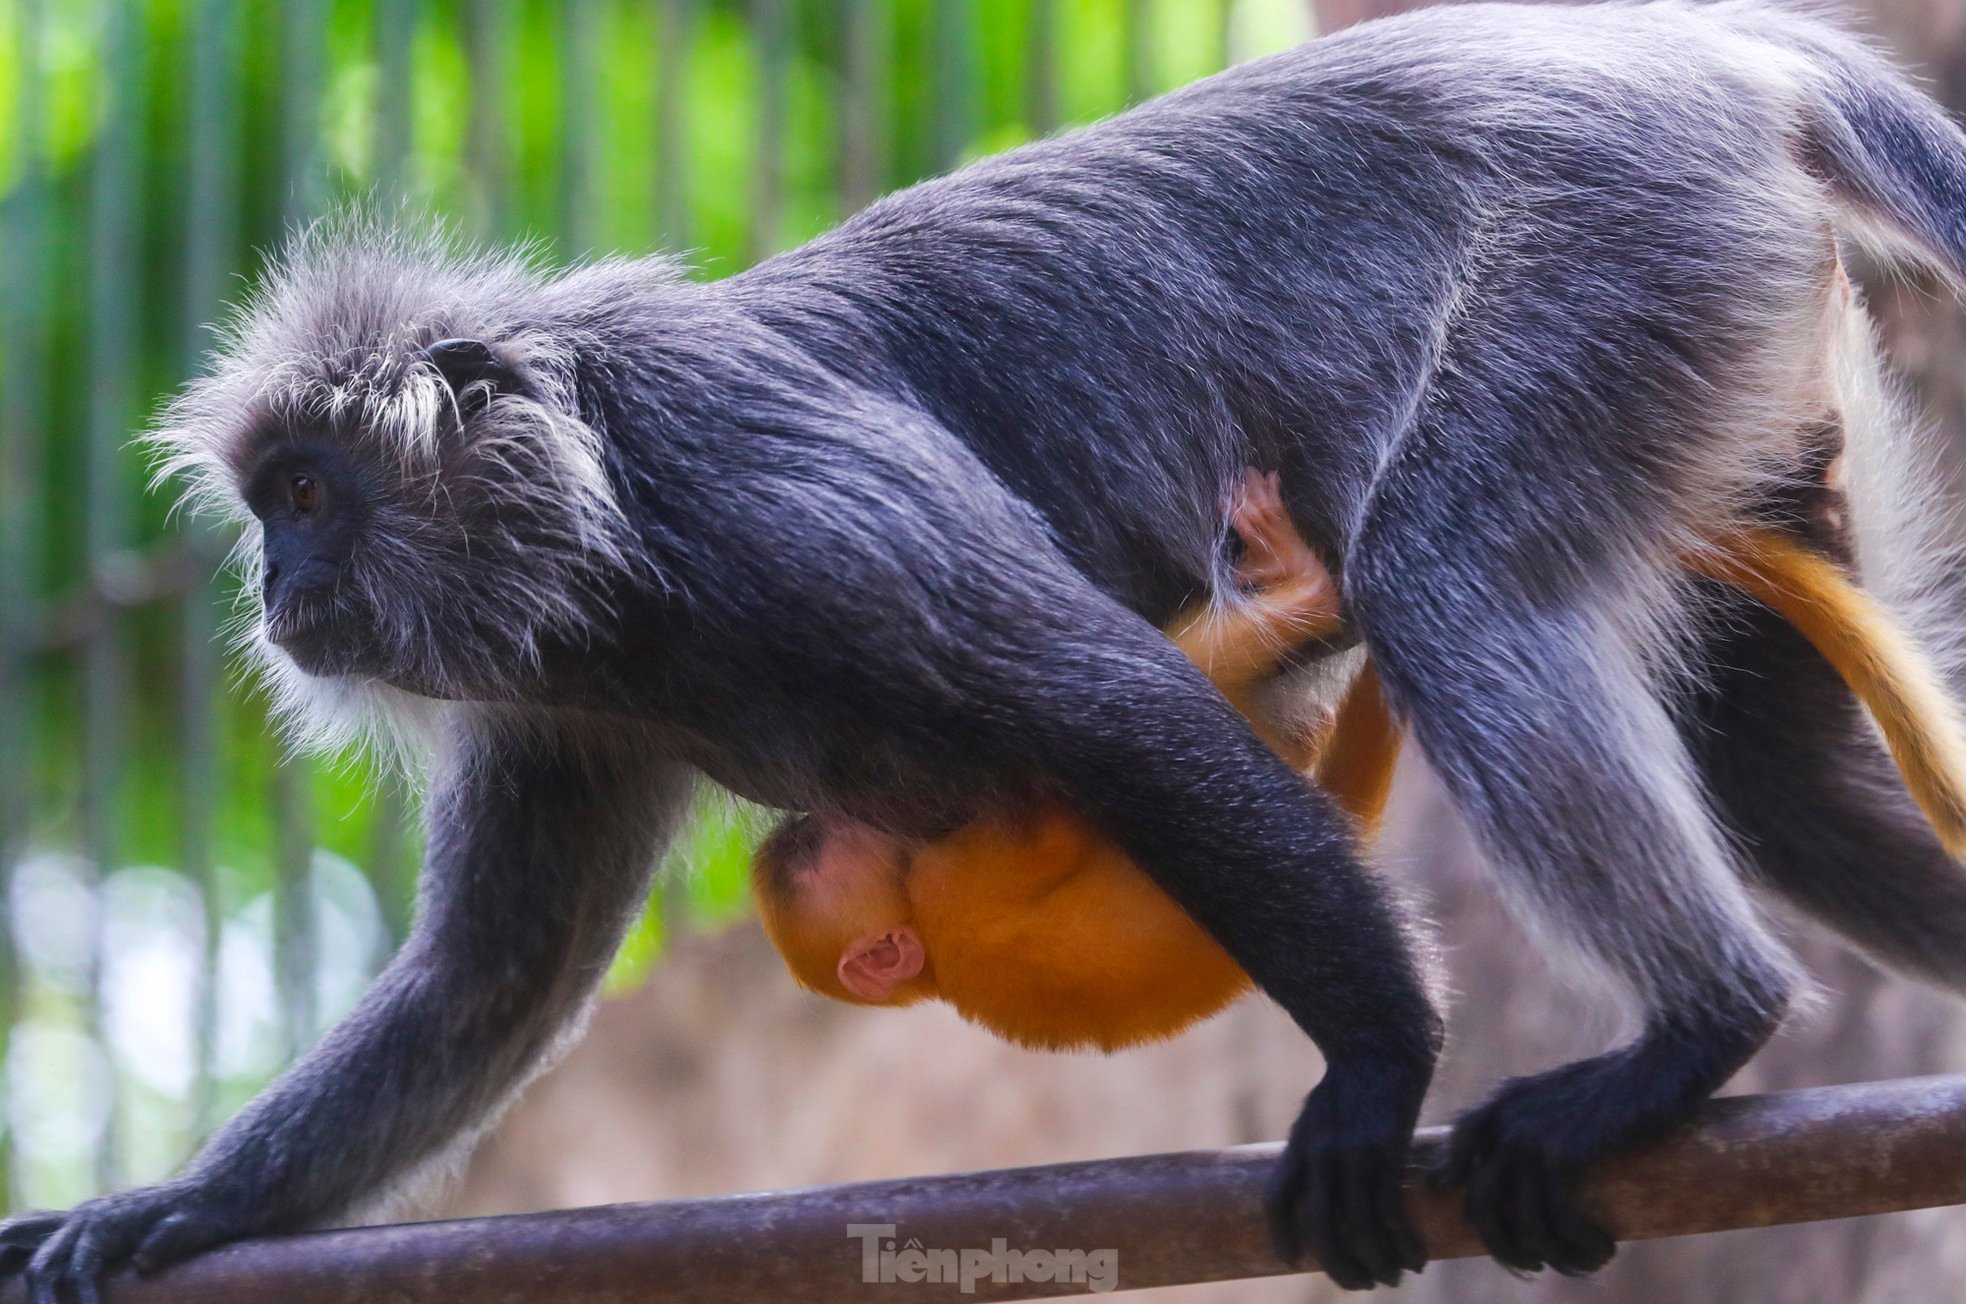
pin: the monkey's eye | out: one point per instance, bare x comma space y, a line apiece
303, 494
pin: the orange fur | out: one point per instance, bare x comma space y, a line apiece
810, 923
1041, 929
1876, 657
1047, 934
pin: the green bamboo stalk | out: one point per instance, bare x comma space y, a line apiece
486, 22
1041, 113
772, 56
303, 28
288, 793
675, 33
862, 144
115, 220
210, 245
24, 289
1137, 36
579, 143
390, 873
395, 37
954, 68
294, 933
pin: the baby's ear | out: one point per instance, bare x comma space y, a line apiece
873, 966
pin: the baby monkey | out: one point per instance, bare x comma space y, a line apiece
1038, 927
1032, 923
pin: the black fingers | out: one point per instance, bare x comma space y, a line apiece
21, 1237
1337, 1194
63, 1256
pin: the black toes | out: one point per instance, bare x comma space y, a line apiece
1522, 1171
70, 1262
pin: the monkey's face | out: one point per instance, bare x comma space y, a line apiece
311, 502
428, 538
427, 513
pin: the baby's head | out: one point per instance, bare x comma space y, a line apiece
832, 896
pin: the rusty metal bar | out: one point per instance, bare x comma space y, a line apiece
1752, 1161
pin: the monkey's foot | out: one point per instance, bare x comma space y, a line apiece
64, 1255
1274, 553
1521, 1158
1337, 1188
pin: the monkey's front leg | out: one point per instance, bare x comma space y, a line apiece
1266, 863
540, 847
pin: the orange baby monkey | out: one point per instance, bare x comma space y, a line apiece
1032, 923
1036, 926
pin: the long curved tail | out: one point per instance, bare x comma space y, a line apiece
1881, 663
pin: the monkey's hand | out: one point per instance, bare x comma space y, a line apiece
540, 844
1337, 1191
64, 1254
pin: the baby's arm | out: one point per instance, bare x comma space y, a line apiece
1293, 599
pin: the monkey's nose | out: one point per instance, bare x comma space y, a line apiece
269, 579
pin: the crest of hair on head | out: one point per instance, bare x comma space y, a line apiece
470, 570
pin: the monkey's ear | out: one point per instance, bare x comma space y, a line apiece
475, 371
874, 966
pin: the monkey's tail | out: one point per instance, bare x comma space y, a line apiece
1883, 665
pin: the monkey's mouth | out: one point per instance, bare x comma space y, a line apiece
305, 634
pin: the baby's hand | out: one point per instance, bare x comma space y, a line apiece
1274, 554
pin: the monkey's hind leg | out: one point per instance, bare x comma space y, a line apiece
1515, 656
1797, 772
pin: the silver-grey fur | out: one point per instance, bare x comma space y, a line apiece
1522, 302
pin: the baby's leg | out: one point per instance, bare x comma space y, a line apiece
1293, 600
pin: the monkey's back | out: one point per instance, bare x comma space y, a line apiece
1267, 266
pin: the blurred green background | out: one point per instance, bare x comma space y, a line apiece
185, 904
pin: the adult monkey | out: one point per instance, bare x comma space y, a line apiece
1522, 302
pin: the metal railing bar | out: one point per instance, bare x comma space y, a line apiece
1175, 1219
